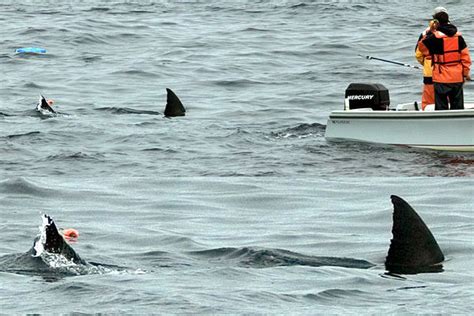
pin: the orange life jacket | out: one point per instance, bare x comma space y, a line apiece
446, 58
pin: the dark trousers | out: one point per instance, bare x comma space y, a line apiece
453, 91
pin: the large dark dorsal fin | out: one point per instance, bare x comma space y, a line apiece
413, 248
173, 107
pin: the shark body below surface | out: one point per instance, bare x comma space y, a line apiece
413, 249
174, 107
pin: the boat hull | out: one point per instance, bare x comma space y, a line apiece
440, 130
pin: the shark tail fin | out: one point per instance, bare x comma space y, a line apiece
413, 249
43, 104
173, 107
53, 241
43, 101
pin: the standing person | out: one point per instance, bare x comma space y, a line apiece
450, 59
428, 95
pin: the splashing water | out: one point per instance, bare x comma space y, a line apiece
39, 244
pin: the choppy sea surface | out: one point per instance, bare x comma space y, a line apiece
222, 211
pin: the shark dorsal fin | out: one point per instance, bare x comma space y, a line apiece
413, 249
43, 104
173, 107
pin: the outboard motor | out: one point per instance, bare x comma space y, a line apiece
367, 95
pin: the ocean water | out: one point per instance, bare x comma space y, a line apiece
225, 210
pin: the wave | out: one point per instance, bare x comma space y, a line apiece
301, 131
32, 85
327, 8
110, 11
12, 136
24, 187
91, 58
88, 38
5, 56
237, 82
298, 5
34, 56
164, 150
134, 72
97, 9
331, 294
255, 29
34, 30
137, 11
74, 156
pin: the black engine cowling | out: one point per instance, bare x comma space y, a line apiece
367, 95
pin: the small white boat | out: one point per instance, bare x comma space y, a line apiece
451, 130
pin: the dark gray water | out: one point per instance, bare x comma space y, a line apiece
226, 209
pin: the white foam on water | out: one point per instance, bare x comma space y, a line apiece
39, 244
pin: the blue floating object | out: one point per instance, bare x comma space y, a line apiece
31, 50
